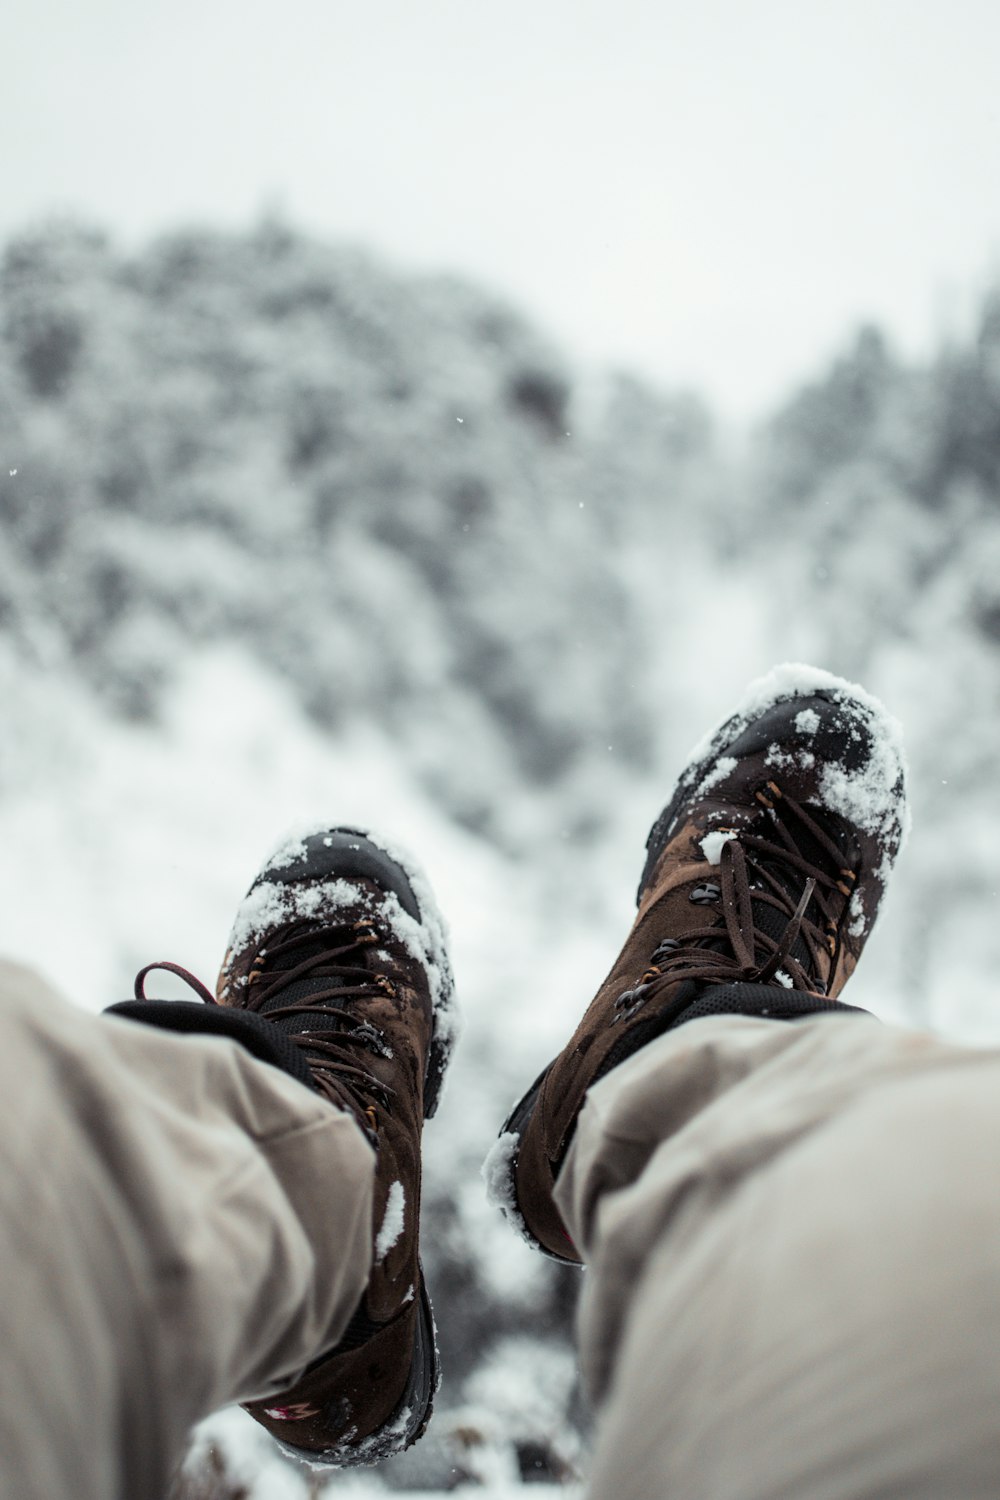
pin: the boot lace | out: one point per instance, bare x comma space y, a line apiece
759, 871
332, 1051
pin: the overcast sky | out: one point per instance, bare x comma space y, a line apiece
714, 191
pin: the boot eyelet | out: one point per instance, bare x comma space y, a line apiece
669, 945
705, 895
629, 1001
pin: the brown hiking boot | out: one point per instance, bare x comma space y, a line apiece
339, 946
337, 973
762, 880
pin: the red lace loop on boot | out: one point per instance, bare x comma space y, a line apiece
201, 990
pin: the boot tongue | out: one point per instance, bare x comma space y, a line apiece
303, 989
323, 1019
768, 919
772, 922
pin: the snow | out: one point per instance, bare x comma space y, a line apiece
368, 1449
798, 680
289, 851
712, 844
868, 798
868, 794
270, 903
251, 1457
428, 940
274, 903
497, 1171
392, 1221
723, 766
789, 760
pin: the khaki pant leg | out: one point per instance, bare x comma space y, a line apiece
180, 1226
793, 1240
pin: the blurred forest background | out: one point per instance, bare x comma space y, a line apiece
281, 527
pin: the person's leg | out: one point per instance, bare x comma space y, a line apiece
789, 1213
181, 1225
191, 1219
792, 1234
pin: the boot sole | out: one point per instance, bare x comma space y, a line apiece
412, 1413
516, 1124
